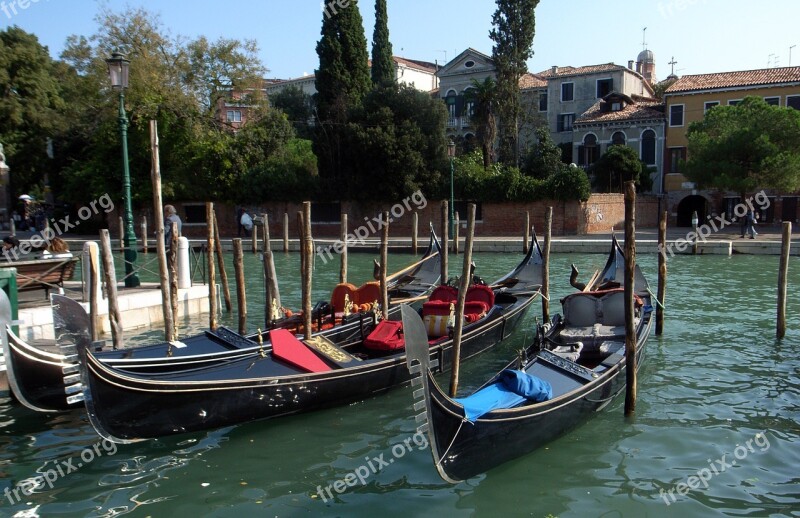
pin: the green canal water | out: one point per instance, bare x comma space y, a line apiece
714, 382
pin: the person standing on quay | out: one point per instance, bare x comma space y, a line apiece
751, 224
170, 216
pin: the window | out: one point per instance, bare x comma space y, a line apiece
649, 147
604, 87
195, 214
565, 121
676, 115
234, 116
589, 151
326, 212
469, 64
543, 101
567, 92
615, 107
734, 102
677, 155
773, 101
710, 104
618, 139
793, 101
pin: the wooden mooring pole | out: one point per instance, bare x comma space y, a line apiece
255, 238
308, 260
285, 232
466, 278
456, 229
526, 237
212, 276
783, 277
114, 319
630, 268
173, 277
158, 216
343, 255
445, 242
384, 261
414, 229
272, 298
144, 234
548, 234
223, 274
662, 273
241, 295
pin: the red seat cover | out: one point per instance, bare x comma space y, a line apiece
387, 336
445, 293
368, 293
337, 296
291, 350
481, 293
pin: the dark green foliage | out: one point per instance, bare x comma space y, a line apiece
382, 60
297, 106
289, 175
484, 95
500, 183
544, 158
30, 107
514, 26
396, 145
342, 81
616, 166
746, 147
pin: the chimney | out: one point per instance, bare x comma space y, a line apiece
554, 69
630, 64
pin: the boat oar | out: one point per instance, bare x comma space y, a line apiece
466, 277
411, 267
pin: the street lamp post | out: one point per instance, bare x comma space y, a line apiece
451, 152
118, 68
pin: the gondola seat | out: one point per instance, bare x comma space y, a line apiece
368, 293
338, 295
387, 336
594, 318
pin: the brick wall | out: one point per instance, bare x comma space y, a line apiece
598, 214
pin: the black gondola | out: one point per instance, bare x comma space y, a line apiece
44, 377
579, 358
124, 406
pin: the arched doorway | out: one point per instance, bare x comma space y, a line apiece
688, 206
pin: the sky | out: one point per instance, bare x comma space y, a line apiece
701, 36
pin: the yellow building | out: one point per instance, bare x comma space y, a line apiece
687, 101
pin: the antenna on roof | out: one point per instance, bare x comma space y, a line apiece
644, 38
445, 55
790, 54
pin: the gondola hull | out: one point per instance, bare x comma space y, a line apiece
472, 435
46, 380
126, 406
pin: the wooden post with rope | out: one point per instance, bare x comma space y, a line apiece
212, 276
466, 277
223, 275
308, 251
630, 280
158, 216
114, 319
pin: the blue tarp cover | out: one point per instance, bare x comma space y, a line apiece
511, 388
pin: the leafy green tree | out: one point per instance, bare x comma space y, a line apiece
218, 69
514, 26
30, 106
544, 158
746, 147
342, 81
382, 59
298, 107
616, 166
395, 144
484, 95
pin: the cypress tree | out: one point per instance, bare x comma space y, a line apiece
382, 61
514, 24
342, 81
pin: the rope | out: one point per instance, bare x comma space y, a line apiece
441, 458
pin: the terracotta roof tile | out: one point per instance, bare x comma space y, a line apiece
530, 81
764, 76
572, 71
414, 63
640, 110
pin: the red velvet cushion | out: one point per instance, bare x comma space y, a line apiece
444, 293
387, 336
481, 293
475, 308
